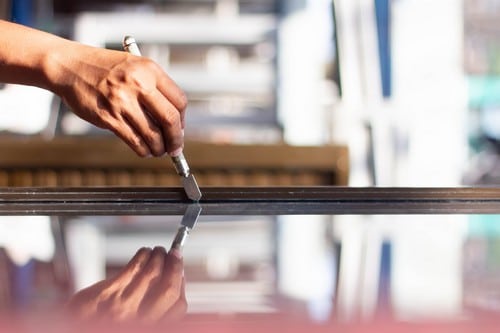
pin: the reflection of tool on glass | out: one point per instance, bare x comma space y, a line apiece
187, 224
181, 166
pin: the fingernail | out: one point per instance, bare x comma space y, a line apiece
176, 253
176, 152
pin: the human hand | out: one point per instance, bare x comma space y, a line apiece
129, 95
149, 289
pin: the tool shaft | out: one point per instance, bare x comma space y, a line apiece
180, 238
181, 165
130, 46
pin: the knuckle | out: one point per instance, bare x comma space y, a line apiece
150, 63
151, 272
171, 125
118, 98
183, 101
135, 142
110, 123
180, 99
137, 146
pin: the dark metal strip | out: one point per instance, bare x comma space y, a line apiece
249, 201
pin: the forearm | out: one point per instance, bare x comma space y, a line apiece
24, 54
33, 57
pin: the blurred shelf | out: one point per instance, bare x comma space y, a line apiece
216, 57
242, 80
99, 28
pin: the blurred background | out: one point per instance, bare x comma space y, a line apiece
402, 93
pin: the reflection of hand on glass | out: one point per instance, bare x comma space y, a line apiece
149, 289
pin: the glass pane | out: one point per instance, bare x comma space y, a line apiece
410, 258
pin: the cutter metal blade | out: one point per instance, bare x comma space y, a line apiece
188, 181
188, 222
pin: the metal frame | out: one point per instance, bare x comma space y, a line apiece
249, 201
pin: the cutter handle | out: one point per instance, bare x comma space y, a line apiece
180, 238
130, 45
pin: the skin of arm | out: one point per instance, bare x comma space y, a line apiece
128, 95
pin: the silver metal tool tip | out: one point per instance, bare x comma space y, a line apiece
180, 238
127, 40
191, 187
188, 222
191, 215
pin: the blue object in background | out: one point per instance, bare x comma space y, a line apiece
22, 284
382, 13
22, 12
384, 304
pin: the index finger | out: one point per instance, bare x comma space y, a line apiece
173, 93
168, 291
173, 269
166, 117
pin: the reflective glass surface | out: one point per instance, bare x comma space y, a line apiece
378, 260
